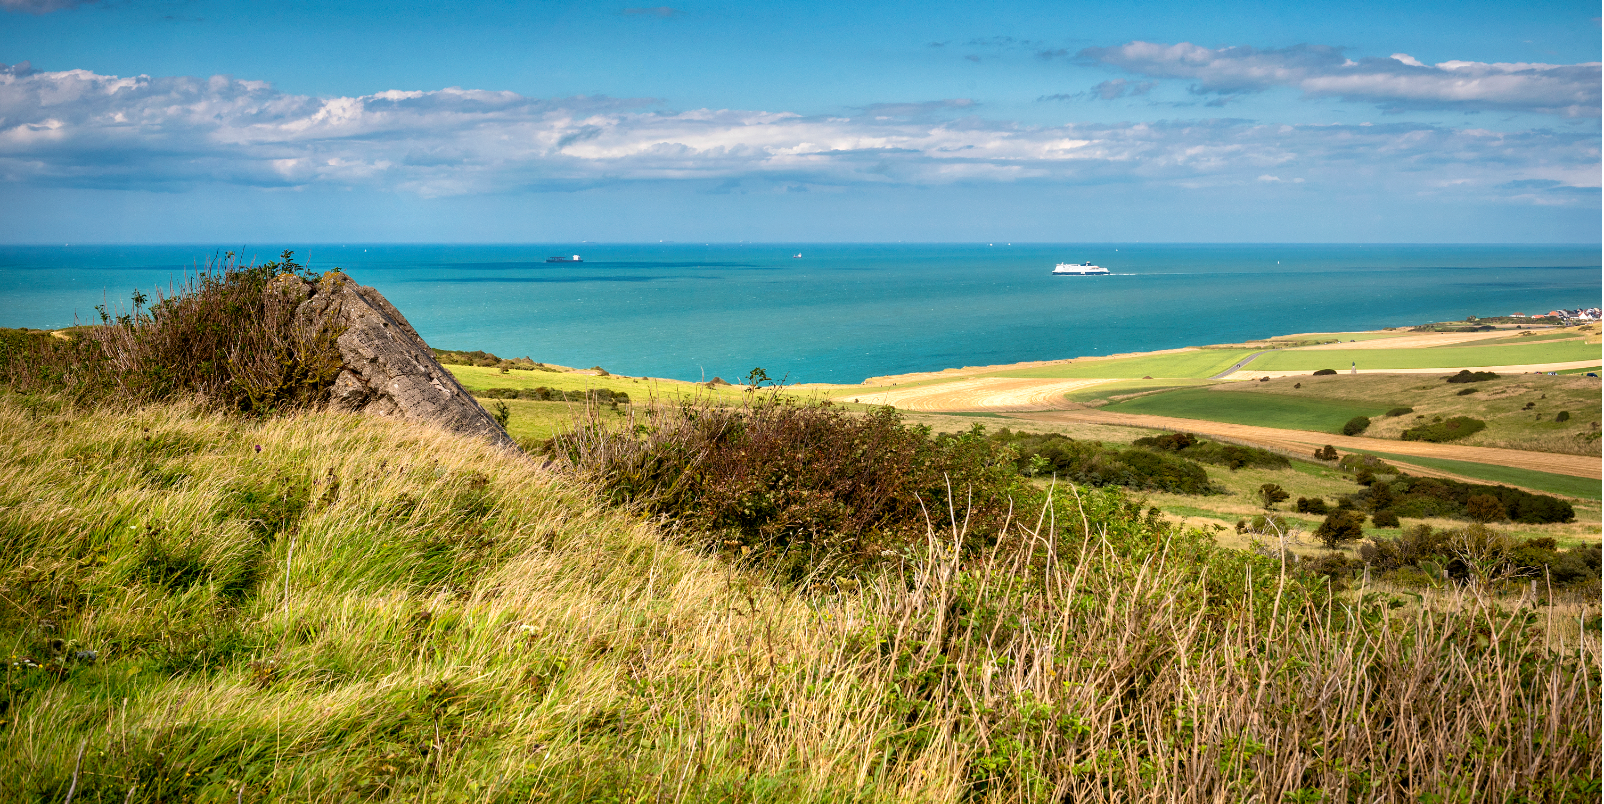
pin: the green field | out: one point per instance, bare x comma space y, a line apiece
1583, 487
1446, 357
1264, 410
1196, 364
1592, 369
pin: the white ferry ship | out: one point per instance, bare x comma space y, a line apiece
1084, 269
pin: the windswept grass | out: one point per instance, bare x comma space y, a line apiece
363, 610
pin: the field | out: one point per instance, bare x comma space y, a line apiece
1433, 357
1197, 363
1520, 409
1265, 410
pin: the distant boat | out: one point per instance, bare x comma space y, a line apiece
574, 258
797, 256
1084, 269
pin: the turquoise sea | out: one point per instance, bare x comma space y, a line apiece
843, 312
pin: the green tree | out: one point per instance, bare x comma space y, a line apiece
1485, 508
1342, 526
1271, 494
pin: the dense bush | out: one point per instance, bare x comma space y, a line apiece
1455, 554
1384, 519
1093, 463
1312, 505
1356, 425
1230, 456
1340, 527
1326, 453
1466, 375
477, 357
1450, 429
1399, 411
1325, 372
1440, 497
222, 335
800, 487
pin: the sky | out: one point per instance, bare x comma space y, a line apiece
555, 121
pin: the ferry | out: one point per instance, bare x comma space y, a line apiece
1084, 269
574, 258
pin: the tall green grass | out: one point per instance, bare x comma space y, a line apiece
366, 610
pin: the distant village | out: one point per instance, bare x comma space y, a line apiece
1565, 317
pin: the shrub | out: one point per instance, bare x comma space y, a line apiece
1356, 425
1325, 372
1399, 411
798, 486
1485, 508
1270, 494
1451, 429
1467, 391
1384, 519
1340, 527
1466, 375
1326, 453
226, 335
1562, 416
1230, 456
1312, 505
1093, 463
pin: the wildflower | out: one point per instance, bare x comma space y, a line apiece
258, 447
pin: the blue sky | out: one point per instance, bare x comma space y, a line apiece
174, 121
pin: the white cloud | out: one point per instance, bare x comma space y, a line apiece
1397, 82
77, 128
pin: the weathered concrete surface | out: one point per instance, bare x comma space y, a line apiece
388, 369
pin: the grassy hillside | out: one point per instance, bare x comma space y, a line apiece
326, 608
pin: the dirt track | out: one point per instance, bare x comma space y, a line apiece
1301, 440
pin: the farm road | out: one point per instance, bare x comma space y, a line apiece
1305, 440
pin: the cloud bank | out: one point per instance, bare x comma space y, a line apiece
1396, 83
80, 129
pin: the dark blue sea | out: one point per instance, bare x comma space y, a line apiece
841, 313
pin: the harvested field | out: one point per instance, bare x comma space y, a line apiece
980, 394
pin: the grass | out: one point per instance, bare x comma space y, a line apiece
1198, 363
1445, 357
1266, 410
1585, 488
365, 609
1589, 369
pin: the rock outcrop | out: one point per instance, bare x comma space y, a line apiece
387, 368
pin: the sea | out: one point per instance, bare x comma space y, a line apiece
840, 313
